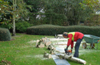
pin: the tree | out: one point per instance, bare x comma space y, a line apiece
55, 11
72, 11
4, 7
36, 6
94, 6
59, 11
77, 11
14, 9
19, 10
5, 10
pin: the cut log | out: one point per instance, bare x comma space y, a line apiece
52, 51
41, 46
72, 58
51, 47
47, 55
37, 43
46, 41
42, 41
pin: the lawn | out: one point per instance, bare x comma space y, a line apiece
19, 51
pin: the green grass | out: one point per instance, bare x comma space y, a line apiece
91, 57
20, 52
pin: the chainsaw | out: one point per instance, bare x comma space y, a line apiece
68, 52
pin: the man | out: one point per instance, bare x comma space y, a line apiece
73, 36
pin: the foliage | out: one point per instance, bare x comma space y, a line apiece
57, 12
54, 12
77, 11
4, 25
5, 34
93, 21
4, 7
5, 13
15, 8
44, 30
22, 26
93, 4
36, 6
52, 30
60, 12
19, 10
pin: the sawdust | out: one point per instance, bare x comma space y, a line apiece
40, 57
58, 39
32, 41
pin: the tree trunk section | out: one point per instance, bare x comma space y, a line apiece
72, 58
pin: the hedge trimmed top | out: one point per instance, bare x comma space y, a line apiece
5, 34
55, 29
45, 25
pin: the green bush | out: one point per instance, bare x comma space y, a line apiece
54, 29
44, 30
5, 34
6, 24
22, 26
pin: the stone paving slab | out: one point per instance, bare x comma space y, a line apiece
59, 61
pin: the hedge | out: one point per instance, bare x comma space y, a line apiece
22, 26
5, 34
55, 29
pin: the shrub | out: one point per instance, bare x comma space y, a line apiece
5, 34
6, 24
54, 29
22, 26
45, 30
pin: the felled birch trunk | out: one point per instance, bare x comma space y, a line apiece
72, 58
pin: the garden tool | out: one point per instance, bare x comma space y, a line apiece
68, 52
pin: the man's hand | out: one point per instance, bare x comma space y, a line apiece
66, 50
70, 51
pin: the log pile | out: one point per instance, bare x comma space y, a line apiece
43, 42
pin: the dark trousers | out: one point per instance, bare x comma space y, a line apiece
78, 42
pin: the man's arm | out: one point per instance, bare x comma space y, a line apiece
69, 41
72, 43
71, 46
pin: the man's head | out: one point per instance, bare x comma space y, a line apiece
65, 34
